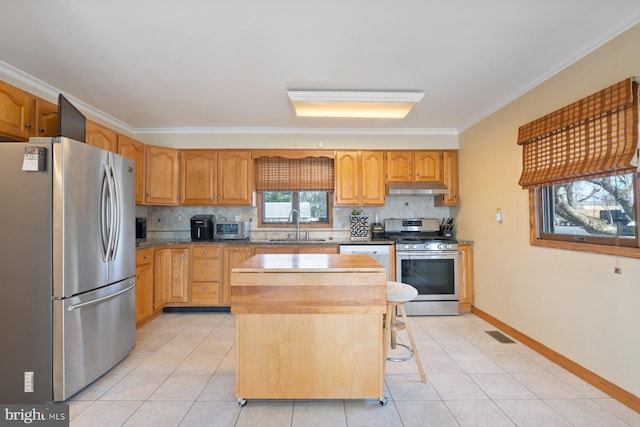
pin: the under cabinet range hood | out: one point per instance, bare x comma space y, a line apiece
416, 189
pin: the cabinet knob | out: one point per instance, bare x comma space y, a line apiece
204, 265
41, 130
146, 256
27, 125
204, 289
139, 277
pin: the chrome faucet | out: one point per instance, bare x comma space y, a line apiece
297, 221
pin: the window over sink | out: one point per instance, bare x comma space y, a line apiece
301, 184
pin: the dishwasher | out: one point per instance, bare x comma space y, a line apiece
378, 252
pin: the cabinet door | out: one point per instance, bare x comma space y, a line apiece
177, 291
162, 176
372, 177
450, 179
399, 166
426, 166
161, 277
101, 137
46, 118
234, 178
197, 172
144, 291
347, 170
233, 256
465, 261
15, 113
134, 150
144, 284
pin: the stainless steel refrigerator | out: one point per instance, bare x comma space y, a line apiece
67, 267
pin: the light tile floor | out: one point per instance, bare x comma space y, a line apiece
181, 373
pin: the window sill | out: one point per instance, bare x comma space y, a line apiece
589, 247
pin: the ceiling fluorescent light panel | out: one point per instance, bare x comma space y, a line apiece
354, 104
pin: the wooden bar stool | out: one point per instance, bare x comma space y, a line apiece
397, 294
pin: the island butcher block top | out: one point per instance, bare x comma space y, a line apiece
308, 283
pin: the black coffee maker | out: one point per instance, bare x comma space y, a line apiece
377, 230
202, 227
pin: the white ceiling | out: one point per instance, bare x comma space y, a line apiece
226, 66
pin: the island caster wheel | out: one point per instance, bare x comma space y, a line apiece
383, 400
242, 401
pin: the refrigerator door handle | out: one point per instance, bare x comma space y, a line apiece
104, 217
96, 301
114, 229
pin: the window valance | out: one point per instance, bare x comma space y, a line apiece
286, 174
593, 137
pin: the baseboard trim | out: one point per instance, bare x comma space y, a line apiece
620, 394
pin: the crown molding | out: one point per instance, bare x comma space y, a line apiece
295, 131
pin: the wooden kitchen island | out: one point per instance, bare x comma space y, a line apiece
309, 326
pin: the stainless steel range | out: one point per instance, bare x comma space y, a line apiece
428, 261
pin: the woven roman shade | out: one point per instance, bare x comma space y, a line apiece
284, 174
593, 137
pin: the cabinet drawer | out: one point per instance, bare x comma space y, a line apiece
205, 270
206, 251
205, 293
144, 256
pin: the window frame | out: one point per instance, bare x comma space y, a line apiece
292, 224
612, 246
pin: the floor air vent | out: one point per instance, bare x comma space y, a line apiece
501, 337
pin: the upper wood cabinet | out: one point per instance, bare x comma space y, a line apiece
413, 166
449, 179
46, 118
359, 177
15, 113
235, 178
162, 175
198, 177
134, 150
215, 177
101, 137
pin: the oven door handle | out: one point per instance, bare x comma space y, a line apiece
429, 254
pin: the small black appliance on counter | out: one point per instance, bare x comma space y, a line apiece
141, 229
202, 227
377, 231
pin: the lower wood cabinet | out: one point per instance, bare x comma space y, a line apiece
171, 275
144, 285
232, 256
465, 264
206, 263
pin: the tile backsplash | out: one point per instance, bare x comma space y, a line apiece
173, 222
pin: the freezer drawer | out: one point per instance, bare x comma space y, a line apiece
92, 332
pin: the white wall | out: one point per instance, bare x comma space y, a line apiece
569, 301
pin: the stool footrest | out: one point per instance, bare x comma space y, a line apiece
402, 359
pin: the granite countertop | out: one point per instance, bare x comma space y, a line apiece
159, 242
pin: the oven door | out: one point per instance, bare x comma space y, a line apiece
433, 274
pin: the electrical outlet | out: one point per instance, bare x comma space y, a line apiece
28, 382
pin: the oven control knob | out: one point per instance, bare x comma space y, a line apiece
414, 246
